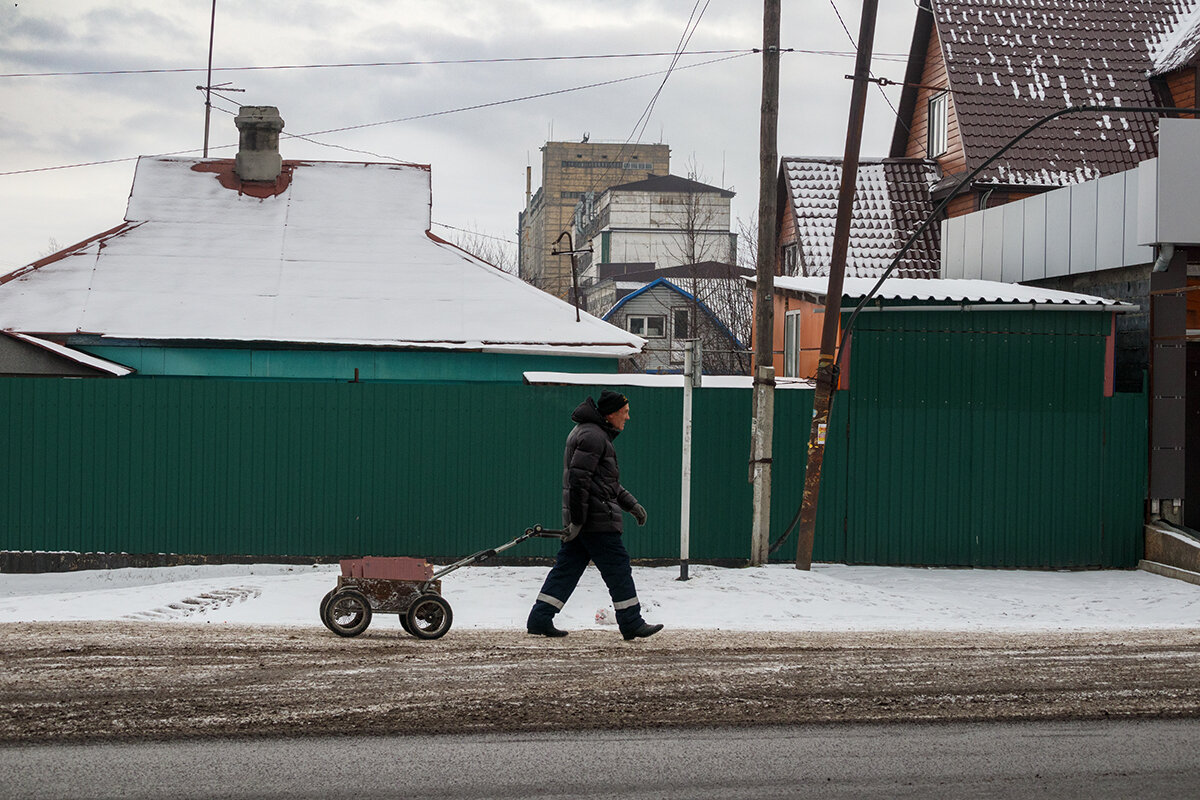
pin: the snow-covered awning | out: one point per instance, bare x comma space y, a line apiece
655, 381
949, 291
83, 359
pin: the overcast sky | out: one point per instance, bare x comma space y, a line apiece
707, 114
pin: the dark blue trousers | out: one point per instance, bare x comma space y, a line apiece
608, 553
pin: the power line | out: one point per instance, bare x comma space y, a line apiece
432, 62
850, 36
689, 29
474, 233
740, 54
421, 63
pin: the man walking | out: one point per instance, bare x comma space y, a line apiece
593, 500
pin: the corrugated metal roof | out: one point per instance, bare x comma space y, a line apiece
891, 199
1011, 62
341, 255
947, 290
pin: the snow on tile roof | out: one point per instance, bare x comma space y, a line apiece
1011, 62
1179, 47
946, 290
342, 255
891, 199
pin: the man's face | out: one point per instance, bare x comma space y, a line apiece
619, 417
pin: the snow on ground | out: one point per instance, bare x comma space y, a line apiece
776, 598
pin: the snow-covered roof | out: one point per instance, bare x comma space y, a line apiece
891, 200
948, 290
1010, 62
1179, 46
340, 254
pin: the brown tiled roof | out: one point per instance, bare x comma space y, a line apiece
1011, 62
891, 200
1178, 48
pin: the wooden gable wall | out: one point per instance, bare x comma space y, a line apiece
934, 74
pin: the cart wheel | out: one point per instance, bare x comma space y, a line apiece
325, 605
429, 617
404, 621
348, 613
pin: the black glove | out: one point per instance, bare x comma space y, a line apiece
639, 513
572, 531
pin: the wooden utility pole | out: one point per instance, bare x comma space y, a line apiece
826, 366
761, 431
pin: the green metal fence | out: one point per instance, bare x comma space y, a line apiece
929, 461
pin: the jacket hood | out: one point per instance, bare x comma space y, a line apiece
587, 412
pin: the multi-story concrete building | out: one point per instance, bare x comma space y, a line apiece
663, 220
569, 171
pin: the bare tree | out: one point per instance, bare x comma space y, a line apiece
722, 292
495, 250
51, 248
747, 251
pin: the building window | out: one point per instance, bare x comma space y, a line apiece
791, 344
791, 260
651, 326
939, 121
680, 328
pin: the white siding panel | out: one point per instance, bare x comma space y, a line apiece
1082, 257
1033, 264
1110, 221
1011, 260
1058, 233
973, 247
992, 254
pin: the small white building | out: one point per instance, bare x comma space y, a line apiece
664, 220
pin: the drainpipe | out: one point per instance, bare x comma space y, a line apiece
1165, 253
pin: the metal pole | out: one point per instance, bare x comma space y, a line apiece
685, 495
208, 82
826, 374
764, 310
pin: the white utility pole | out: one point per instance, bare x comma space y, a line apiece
693, 369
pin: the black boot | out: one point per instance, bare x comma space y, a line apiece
543, 627
646, 629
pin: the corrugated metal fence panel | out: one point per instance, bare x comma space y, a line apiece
919, 463
1123, 487
958, 465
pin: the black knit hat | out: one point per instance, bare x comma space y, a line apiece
610, 402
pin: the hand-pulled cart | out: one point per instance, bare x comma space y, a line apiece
408, 587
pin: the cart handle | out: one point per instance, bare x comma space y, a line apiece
536, 532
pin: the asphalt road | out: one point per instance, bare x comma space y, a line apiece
105, 682
1093, 760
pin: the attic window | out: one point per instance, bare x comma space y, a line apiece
939, 120
651, 326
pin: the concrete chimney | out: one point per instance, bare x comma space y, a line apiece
258, 149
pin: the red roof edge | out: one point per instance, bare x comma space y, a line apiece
440, 240
67, 251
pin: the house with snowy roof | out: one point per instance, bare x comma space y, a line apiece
256, 267
1100, 201
668, 310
